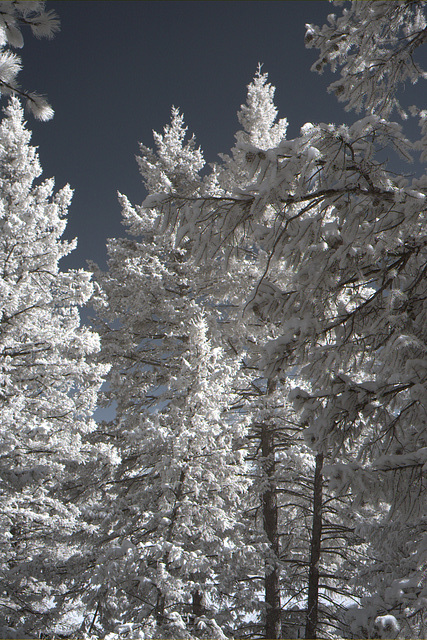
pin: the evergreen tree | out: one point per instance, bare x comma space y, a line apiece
48, 384
171, 529
298, 522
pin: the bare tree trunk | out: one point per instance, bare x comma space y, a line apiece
315, 549
273, 622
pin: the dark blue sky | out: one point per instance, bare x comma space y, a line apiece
116, 68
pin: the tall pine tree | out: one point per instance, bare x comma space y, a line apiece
171, 539
48, 384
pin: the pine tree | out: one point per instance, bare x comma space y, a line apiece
289, 488
171, 529
240, 171
48, 384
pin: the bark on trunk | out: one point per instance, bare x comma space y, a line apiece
315, 549
159, 612
198, 608
273, 622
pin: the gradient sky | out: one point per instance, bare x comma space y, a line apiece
116, 68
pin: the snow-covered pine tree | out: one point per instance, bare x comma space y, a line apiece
260, 131
351, 318
48, 385
171, 542
299, 517
387, 37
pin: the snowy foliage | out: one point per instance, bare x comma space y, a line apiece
373, 44
14, 16
174, 166
258, 115
172, 524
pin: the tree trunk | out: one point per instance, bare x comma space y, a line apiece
273, 622
198, 608
159, 611
315, 549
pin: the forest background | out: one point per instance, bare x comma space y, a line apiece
258, 343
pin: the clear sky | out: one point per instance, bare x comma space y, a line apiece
116, 68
